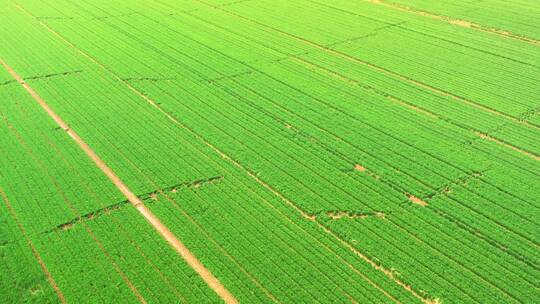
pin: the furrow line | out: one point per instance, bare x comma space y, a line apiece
505, 144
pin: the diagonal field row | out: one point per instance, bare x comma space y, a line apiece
366, 152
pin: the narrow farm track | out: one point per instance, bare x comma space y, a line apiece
269, 151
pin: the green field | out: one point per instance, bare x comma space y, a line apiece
260, 151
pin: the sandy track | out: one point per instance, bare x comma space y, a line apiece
180, 248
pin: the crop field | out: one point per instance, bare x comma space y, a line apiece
270, 151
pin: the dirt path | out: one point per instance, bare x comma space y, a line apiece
180, 248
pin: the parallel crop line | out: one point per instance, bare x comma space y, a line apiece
457, 22
376, 67
180, 248
534, 126
36, 254
505, 144
519, 121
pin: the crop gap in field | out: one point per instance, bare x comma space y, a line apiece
362, 169
390, 25
148, 197
54, 18
373, 33
346, 214
217, 79
180, 12
6, 243
296, 56
353, 39
529, 114
8, 82
336, 215
113, 16
416, 200
47, 76
462, 181
187, 185
445, 189
150, 79
232, 3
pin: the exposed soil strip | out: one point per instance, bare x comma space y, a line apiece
458, 22
500, 142
122, 230
34, 251
417, 201
360, 168
149, 196
181, 249
336, 215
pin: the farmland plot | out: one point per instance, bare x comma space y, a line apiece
269, 151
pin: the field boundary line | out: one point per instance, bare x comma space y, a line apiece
36, 254
456, 21
163, 230
121, 228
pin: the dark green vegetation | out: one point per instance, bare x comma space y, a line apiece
304, 151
